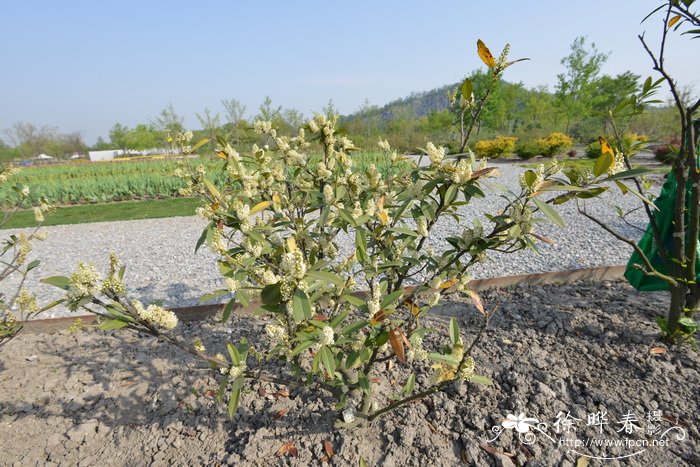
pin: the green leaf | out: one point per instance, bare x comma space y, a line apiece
467, 89
301, 307
530, 177
328, 360
481, 379
211, 296
301, 347
636, 172
451, 194
271, 294
33, 265
549, 211
404, 231
363, 382
354, 301
338, 319
61, 282
410, 384
438, 357
235, 395
361, 245
351, 328
390, 299
454, 331
623, 188
352, 360
233, 353
228, 309
212, 189
327, 276
201, 143
203, 237
113, 324
602, 164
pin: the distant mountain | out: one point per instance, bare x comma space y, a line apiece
416, 105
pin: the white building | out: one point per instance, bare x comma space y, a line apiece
107, 155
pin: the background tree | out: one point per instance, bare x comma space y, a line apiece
575, 87
268, 112
168, 123
210, 125
118, 136
233, 113
294, 119
143, 137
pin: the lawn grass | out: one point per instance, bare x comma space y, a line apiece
123, 211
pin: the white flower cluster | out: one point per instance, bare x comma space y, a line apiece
25, 247
462, 172
84, 281
467, 370
328, 194
294, 264
384, 145
436, 155
155, 314
232, 285
416, 353
7, 172
522, 215
374, 304
470, 235
237, 370
327, 336
618, 164
276, 333
262, 126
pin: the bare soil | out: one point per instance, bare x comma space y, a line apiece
116, 399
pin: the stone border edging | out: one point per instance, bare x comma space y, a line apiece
202, 312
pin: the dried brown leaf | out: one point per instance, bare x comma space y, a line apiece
328, 448
280, 413
476, 300
657, 350
396, 339
287, 449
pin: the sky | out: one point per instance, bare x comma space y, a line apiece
86, 65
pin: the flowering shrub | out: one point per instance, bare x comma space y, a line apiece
336, 315
555, 143
494, 148
549, 146
19, 304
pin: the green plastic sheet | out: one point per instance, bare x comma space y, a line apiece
664, 221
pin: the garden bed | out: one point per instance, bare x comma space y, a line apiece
104, 398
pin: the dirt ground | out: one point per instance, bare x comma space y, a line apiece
583, 359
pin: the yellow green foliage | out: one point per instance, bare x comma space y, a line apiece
555, 143
494, 148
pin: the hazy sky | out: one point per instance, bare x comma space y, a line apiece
84, 65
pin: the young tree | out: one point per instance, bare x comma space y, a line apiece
118, 136
233, 113
210, 125
169, 124
666, 258
576, 86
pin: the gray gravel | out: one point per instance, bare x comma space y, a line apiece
162, 265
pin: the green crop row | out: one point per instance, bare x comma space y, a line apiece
101, 182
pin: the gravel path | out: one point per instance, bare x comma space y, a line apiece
161, 264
